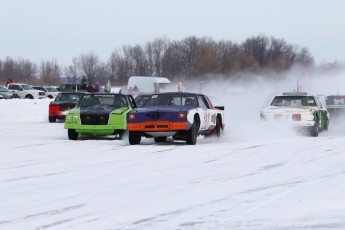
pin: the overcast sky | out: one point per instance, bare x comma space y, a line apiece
63, 29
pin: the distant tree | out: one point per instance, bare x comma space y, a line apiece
188, 51
155, 51
25, 71
71, 72
207, 59
258, 47
113, 66
102, 73
50, 72
227, 50
172, 63
90, 65
8, 69
243, 62
304, 58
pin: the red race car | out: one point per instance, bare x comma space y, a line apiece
62, 104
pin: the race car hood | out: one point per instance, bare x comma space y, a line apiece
71, 102
102, 109
163, 109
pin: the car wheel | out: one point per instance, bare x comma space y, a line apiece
326, 125
217, 128
314, 130
192, 133
160, 139
29, 96
72, 134
134, 138
52, 119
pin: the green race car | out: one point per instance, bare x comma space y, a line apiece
99, 115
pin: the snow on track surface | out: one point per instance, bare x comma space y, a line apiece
259, 182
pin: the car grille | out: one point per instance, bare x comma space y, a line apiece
155, 115
156, 126
94, 119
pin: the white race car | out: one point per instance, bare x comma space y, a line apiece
300, 109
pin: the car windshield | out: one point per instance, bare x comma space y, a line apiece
39, 88
27, 87
2, 89
51, 89
282, 101
113, 100
335, 100
141, 99
68, 97
171, 100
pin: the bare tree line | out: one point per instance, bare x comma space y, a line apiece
190, 58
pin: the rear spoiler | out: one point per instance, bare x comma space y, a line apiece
219, 107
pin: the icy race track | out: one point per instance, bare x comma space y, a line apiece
245, 180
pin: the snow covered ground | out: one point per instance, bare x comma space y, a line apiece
252, 178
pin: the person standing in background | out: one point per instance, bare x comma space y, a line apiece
97, 87
9, 80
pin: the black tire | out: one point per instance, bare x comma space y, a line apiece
29, 96
216, 131
192, 133
72, 134
52, 119
160, 139
314, 130
50, 97
134, 138
326, 125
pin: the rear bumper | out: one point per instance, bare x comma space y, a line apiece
57, 113
157, 126
95, 130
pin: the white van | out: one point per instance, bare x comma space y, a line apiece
146, 85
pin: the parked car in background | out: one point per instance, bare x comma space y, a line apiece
336, 106
50, 91
183, 116
72, 88
5, 94
299, 109
99, 114
62, 103
26, 91
146, 85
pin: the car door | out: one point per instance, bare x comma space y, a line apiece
206, 114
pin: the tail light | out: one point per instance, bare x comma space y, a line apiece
181, 115
131, 116
296, 117
53, 107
